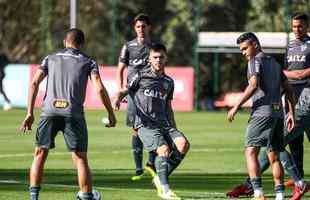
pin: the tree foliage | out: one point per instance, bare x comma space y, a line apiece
26, 35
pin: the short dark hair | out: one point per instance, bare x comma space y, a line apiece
248, 36
142, 17
301, 16
158, 47
75, 36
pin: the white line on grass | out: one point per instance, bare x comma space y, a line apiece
125, 150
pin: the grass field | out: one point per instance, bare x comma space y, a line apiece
214, 164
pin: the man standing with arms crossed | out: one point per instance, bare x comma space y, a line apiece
134, 55
265, 128
297, 65
67, 73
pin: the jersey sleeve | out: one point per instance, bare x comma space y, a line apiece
254, 67
93, 67
44, 65
124, 55
171, 91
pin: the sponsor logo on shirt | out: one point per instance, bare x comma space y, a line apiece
138, 61
296, 58
134, 44
155, 94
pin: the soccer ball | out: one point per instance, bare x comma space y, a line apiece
105, 120
96, 195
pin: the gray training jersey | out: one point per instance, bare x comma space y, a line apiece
67, 75
297, 58
135, 56
151, 93
267, 97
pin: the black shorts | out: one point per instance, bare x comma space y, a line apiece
73, 129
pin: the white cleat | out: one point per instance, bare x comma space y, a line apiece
170, 195
157, 184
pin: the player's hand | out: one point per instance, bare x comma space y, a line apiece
117, 104
112, 120
290, 122
27, 123
231, 114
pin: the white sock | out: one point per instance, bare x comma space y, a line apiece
165, 188
258, 192
280, 196
300, 183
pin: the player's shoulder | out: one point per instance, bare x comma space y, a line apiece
85, 56
258, 59
292, 44
168, 78
132, 43
307, 40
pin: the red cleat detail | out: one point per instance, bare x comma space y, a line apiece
299, 192
240, 190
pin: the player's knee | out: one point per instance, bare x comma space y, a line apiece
251, 152
40, 153
182, 144
273, 157
163, 151
135, 132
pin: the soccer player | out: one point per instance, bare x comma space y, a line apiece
297, 62
134, 56
265, 126
67, 72
152, 92
3, 63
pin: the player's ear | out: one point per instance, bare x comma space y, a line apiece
256, 45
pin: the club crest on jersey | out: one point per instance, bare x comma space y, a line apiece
154, 94
304, 47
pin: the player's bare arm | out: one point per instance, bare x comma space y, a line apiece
170, 114
103, 95
120, 75
33, 91
297, 74
246, 95
291, 102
